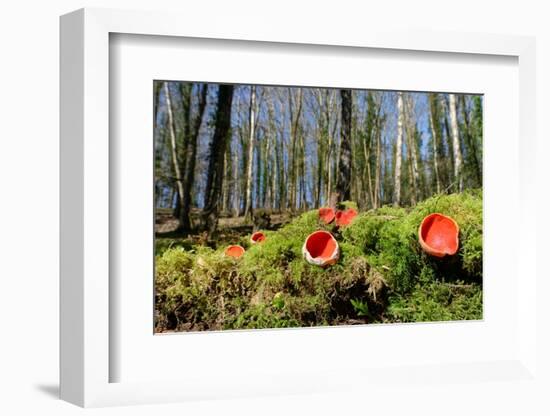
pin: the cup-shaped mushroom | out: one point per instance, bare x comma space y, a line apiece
326, 215
321, 249
257, 237
438, 235
235, 251
344, 218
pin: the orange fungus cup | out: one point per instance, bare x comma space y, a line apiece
344, 218
234, 251
257, 237
321, 249
326, 215
438, 235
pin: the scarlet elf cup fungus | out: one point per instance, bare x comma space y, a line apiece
235, 251
326, 215
257, 237
344, 218
438, 235
321, 249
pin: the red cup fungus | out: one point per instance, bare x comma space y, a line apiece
257, 237
438, 235
345, 218
326, 215
235, 251
321, 249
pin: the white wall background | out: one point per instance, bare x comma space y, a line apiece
29, 56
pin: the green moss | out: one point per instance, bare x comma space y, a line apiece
348, 204
163, 244
437, 302
381, 268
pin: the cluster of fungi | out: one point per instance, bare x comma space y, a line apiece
237, 251
437, 235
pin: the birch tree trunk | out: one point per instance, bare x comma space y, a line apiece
411, 136
457, 153
371, 137
471, 143
235, 187
376, 200
446, 147
250, 159
173, 144
434, 143
398, 151
259, 162
303, 167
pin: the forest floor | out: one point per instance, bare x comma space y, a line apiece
382, 276
230, 229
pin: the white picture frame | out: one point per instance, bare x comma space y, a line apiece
86, 353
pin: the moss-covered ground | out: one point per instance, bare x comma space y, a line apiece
382, 276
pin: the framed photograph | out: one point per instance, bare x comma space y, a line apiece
287, 213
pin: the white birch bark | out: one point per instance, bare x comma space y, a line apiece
412, 144
236, 199
250, 160
434, 143
398, 151
173, 144
456, 142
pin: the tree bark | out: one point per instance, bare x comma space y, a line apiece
191, 156
343, 183
250, 158
157, 85
411, 136
471, 143
218, 146
173, 144
293, 157
457, 153
398, 152
376, 201
435, 140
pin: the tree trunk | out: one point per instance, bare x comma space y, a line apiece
235, 187
446, 148
471, 143
258, 171
157, 85
371, 134
250, 158
191, 155
277, 173
303, 162
293, 157
331, 109
343, 183
173, 144
218, 146
435, 140
320, 151
376, 201
398, 151
411, 136
456, 142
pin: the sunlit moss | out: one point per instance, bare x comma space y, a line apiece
381, 268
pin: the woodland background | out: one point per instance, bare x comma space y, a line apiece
228, 150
